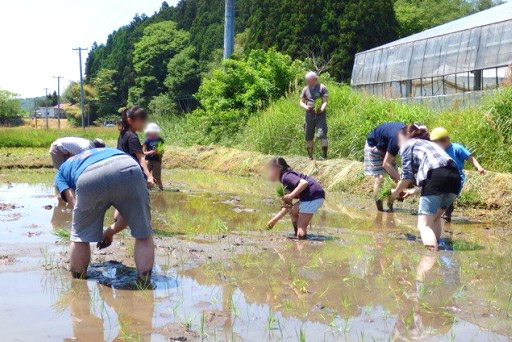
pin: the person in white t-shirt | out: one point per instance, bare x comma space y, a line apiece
63, 148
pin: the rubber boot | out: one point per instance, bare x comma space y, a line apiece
324, 152
310, 152
448, 213
380, 206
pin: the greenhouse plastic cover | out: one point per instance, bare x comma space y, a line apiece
479, 41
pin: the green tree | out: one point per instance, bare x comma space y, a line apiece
10, 105
418, 15
106, 90
159, 43
183, 74
332, 31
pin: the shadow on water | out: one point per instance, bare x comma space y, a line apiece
118, 276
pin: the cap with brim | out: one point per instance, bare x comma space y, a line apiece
439, 133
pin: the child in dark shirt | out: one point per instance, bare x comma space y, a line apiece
153, 150
310, 194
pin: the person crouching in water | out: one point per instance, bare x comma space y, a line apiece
459, 154
92, 182
152, 149
298, 186
427, 164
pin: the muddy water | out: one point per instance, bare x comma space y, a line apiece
364, 277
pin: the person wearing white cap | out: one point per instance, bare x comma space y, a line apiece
153, 150
313, 100
64, 148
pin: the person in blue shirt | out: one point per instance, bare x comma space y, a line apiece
92, 182
459, 154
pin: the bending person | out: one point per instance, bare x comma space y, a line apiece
92, 182
380, 153
63, 148
427, 164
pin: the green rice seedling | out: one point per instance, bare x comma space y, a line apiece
160, 149
385, 189
280, 191
301, 335
63, 234
271, 321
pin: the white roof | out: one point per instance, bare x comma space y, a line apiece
492, 15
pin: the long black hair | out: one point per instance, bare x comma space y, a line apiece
135, 112
280, 163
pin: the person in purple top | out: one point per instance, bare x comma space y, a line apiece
310, 194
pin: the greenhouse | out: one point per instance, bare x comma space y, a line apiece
457, 61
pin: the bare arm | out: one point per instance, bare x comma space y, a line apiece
388, 162
68, 195
400, 187
146, 152
303, 104
477, 165
144, 165
303, 184
282, 213
324, 104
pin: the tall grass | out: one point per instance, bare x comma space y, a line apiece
30, 137
486, 129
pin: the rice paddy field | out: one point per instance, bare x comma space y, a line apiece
221, 276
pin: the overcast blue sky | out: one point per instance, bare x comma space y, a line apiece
36, 37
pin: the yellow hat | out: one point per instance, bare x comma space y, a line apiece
439, 133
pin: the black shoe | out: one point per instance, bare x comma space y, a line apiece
447, 218
379, 205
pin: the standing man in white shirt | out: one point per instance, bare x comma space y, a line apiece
63, 148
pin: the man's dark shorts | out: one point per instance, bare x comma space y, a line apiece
313, 122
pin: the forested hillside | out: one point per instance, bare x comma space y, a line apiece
160, 61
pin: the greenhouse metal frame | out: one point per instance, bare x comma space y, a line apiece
472, 54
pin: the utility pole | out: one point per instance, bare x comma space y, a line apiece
46, 109
58, 98
229, 29
79, 49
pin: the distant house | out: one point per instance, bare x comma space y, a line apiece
51, 112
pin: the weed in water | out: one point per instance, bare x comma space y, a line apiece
63, 234
271, 321
301, 335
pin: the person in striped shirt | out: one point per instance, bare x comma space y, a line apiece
428, 166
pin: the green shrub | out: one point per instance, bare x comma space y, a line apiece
236, 91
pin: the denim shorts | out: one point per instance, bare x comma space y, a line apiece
310, 207
429, 205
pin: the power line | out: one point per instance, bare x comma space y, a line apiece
58, 98
46, 108
79, 49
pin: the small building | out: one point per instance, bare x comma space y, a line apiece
458, 61
51, 112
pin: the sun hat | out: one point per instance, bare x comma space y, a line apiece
311, 75
439, 133
152, 128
